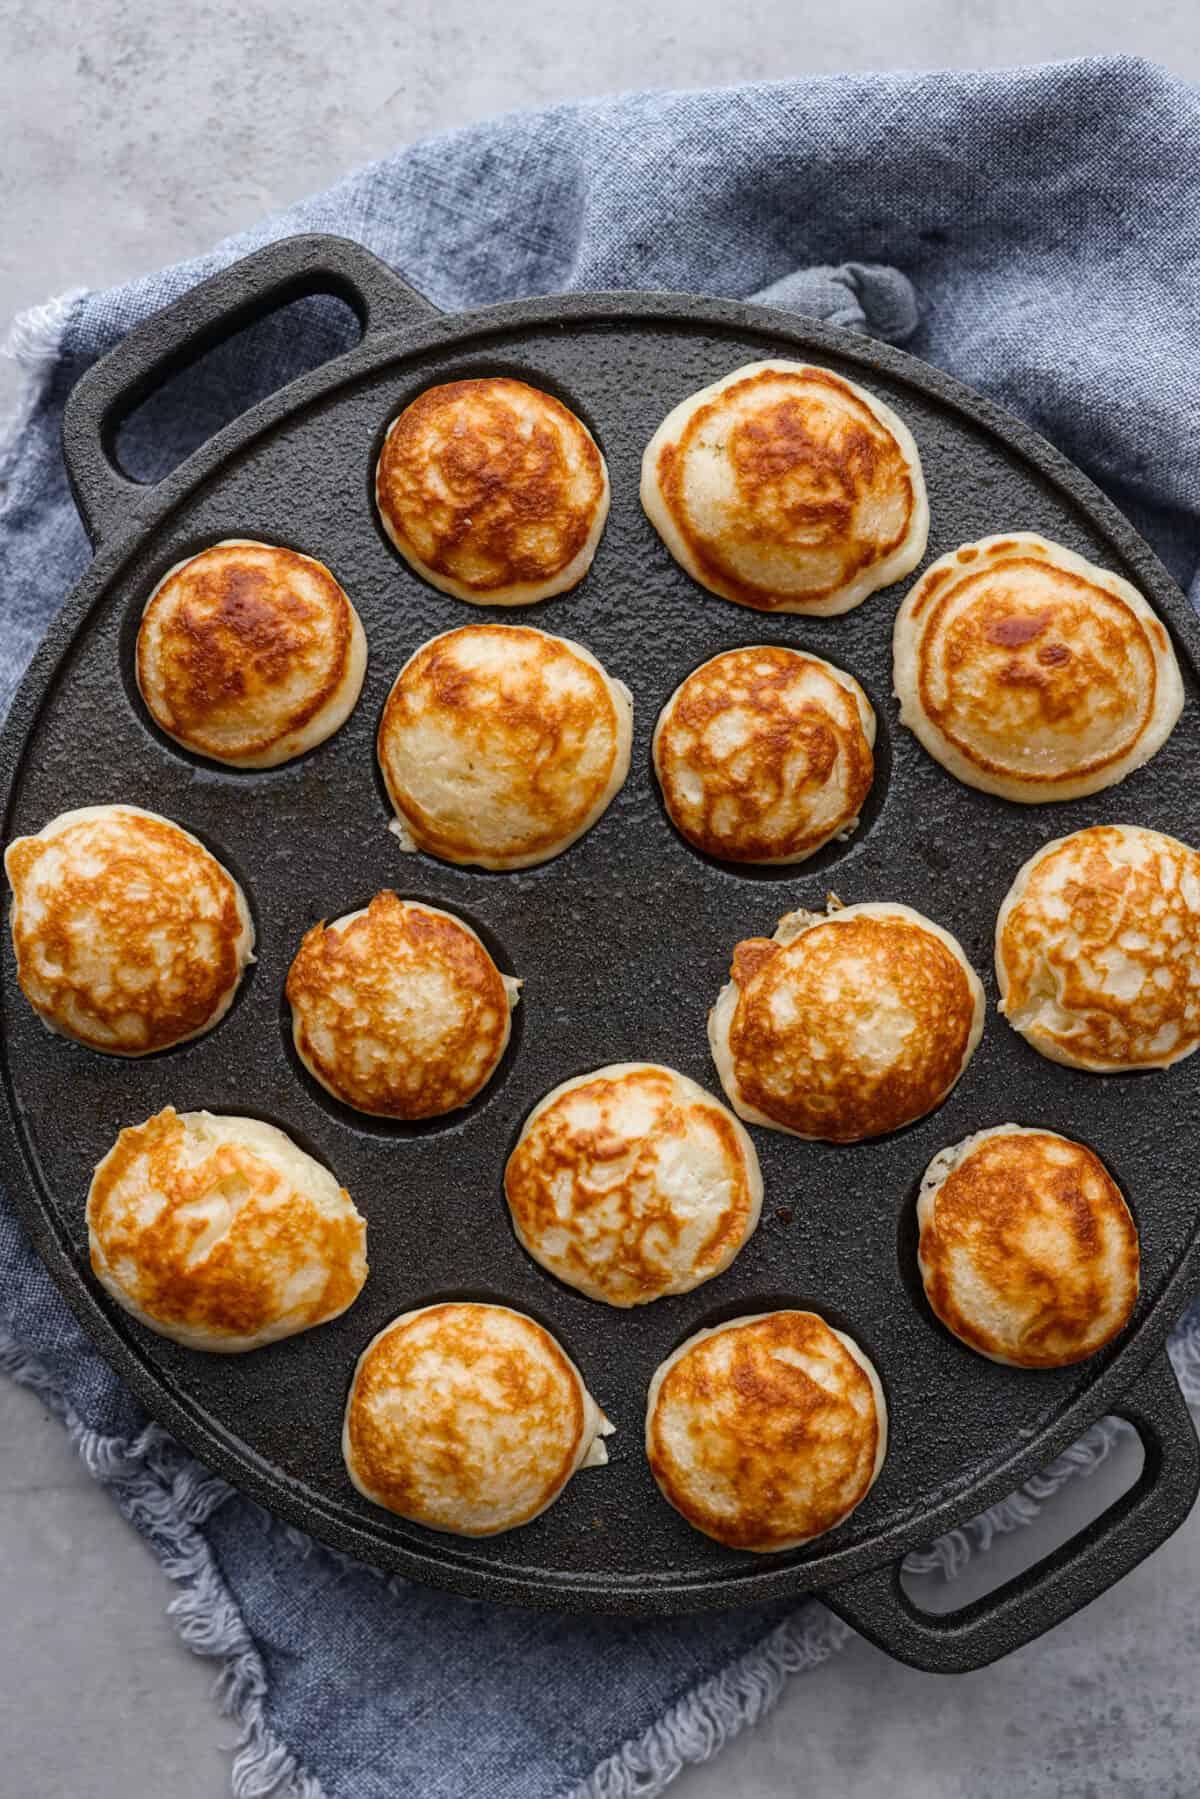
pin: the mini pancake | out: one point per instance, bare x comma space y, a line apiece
767, 1431
1027, 1251
129, 935
1032, 674
250, 654
493, 490
221, 1233
764, 754
1098, 950
500, 745
468, 1418
632, 1182
787, 488
398, 1010
848, 1024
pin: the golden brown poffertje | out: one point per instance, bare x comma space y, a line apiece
501, 745
848, 1024
767, 1431
631, 1183
1027, 1249
129, 935
250, 654
787, 488
398, 1009
1030, 673
221, 1233
1098, 950
493, 491
764, 754
468, 1418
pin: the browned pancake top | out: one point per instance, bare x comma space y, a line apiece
464, 1417
223, 1243
1030, 669
1099, 951
128, 933
490, 483
765, 1433
762, 755
401, 1012
242, 647
817, 489
855, 1028
1030, 1254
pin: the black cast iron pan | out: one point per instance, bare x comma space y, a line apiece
623, 943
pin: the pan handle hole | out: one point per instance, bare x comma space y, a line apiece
1023, 1531
201, 399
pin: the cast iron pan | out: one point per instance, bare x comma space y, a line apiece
623, 943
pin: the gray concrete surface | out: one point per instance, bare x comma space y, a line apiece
133, 134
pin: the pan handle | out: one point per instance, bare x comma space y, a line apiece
167, 343
876, 1604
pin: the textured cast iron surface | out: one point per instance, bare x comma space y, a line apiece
622, 944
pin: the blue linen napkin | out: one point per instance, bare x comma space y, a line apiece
1037, 233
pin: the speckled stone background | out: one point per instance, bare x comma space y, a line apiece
135, 134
